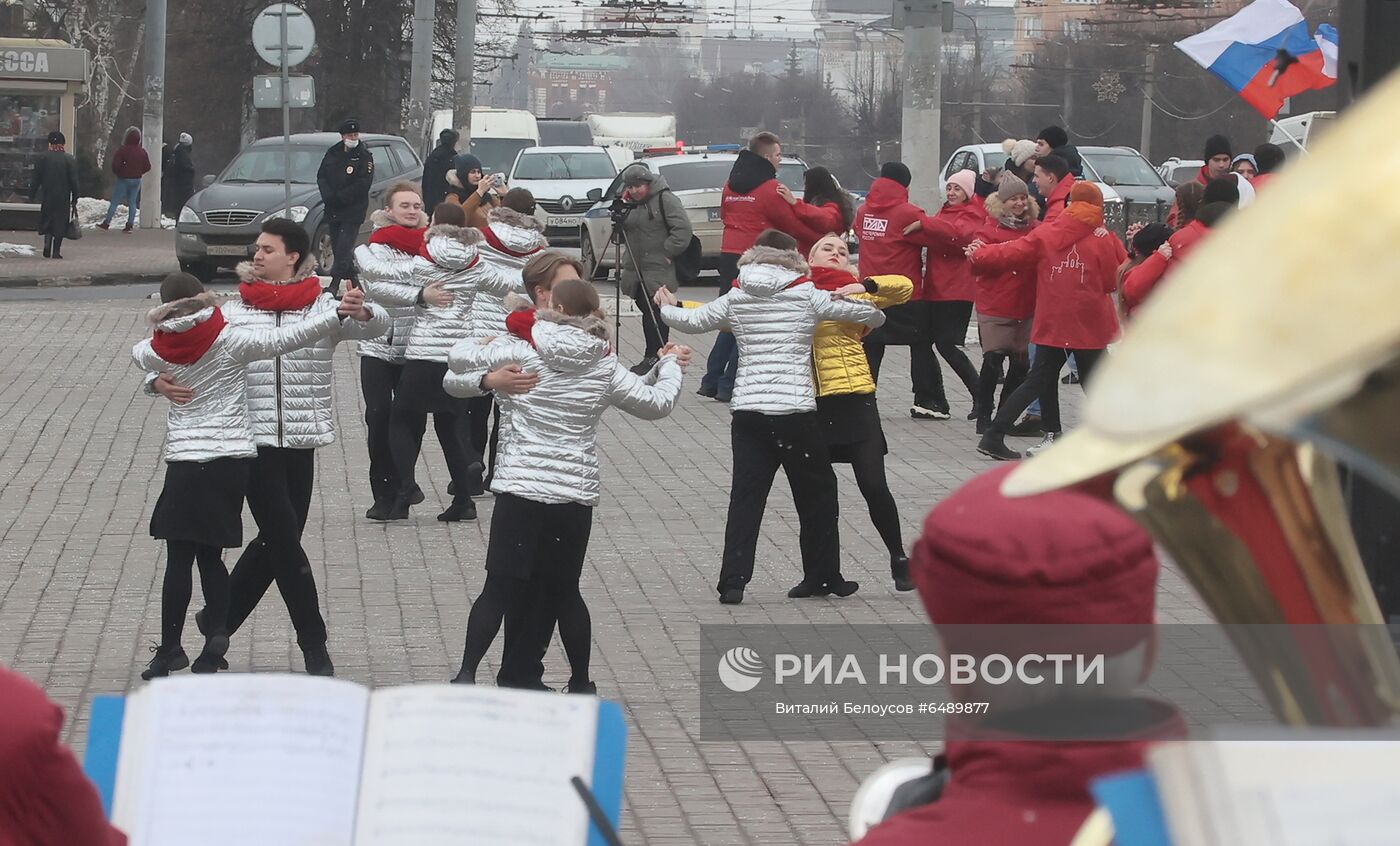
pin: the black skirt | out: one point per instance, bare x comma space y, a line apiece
849, 421
420, 389
202, 502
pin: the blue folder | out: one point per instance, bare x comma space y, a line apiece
1132, 801
610, 753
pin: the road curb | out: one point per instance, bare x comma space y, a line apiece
83, 280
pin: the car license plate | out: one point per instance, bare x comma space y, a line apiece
227, 251
714, 215
564, 220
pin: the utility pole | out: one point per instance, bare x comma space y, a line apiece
465, 73
922, 99
1069, 86
1149, 81
420, 79
153, 112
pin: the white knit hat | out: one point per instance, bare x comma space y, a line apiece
1018, 151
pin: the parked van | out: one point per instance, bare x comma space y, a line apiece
498, 135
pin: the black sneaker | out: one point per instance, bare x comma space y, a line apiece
462, 508
463, 677
212, 658
318, 661
803, 590
644, 366
707, 391
724, 395
731, 596
584, 689
924, 412
842, 587
166, 661
199, 624
397, 509
994, 445
899, 568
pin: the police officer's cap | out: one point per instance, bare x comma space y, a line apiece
349, 125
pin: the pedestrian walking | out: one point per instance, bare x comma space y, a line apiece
385, 267
1076, 262
129, 163
177, 176
825, 208
476, 192
846, 405
749, 205
55, 186
773, 313
291, 408
947, 282
1005, 301
436, 167
548, 481
344, 178
1054, 141
886, 251
656, 232
209, 451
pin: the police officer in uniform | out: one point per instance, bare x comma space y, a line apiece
345, 177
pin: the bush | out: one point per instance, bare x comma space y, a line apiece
92, 178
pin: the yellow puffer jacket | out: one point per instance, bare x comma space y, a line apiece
841, 365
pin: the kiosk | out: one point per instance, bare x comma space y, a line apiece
39, 83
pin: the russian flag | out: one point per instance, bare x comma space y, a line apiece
1265, 53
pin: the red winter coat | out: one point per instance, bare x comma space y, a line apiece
1140, 281
45, 800
815, 223
1055, 203
884, 249
751, 203
947, 276
130, 161
1011, 293
1076, 272
1023, 793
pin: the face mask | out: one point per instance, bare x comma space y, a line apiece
350, 145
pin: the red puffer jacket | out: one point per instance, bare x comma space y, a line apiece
751, 203
1139, 283
1076, 266
947, 275
884, 249
816, 222
1010, 293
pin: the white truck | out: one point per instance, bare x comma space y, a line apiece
634, 131
498, 135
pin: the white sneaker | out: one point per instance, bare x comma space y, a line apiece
920, 412
1045, 444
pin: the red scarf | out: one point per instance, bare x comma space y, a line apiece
521, 324
495, 242
828, 278
401, 238
292, 296
189, 346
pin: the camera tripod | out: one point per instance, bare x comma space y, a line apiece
618, 238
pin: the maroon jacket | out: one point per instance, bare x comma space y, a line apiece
130, 161
45, 800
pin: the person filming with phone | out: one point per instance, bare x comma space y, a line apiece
475, 191
654, 231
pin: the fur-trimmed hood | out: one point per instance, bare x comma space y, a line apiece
453, 179
996, 210
452, 247
513, 218
182, 314
517, 302
380, 218
465, 234
306, 267
766, 271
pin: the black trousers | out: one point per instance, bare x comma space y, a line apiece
279, 495
344, 234
1043, 382
923, 371
406, 426
761, 444
656, 332
378, 379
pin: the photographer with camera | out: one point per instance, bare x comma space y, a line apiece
474, 190
651, 224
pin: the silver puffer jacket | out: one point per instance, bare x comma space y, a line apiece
773, 320
522, 238
457, 263
548, 452
289, 397
387, 277
215, 423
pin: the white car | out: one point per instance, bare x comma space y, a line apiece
1176, 171
561, 178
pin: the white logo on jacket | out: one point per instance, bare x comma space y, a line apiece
875, 226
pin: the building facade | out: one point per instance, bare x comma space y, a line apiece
572, 86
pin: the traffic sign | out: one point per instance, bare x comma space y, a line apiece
268, 32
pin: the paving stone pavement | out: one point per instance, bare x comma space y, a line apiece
111, 257
80, 471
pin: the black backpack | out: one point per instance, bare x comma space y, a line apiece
687, 264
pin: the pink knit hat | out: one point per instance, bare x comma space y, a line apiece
966, 180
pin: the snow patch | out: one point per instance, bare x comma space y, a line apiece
92, 211
16, 250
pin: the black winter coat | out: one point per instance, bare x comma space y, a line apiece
1070, 154
55, 187
345, 178
435, 171
178, 178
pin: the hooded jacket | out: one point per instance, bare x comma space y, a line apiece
435, 170
947, 276
521, 237
658, 230
1070, 154
461, 192
548, 450
386, 274
773, 314
215, 423
880, 222
1140, 281
1058, 199
290, 403
130, 161
1076, 266
750, 204
453, 258
1009, 294
841, 365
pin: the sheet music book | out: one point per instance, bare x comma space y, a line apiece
273, 759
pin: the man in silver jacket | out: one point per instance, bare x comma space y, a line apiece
773, 314
292, 414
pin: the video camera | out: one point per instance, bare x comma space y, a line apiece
619, 210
